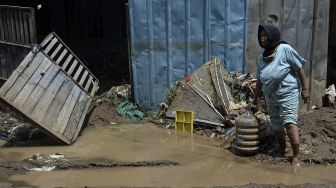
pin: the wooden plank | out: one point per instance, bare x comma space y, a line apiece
74, 55
37, 93
3, 61
23, 79
67, 62
66, 111
46, 40
94, 89
56, 51
51, 44
32, 26
76, 115
25, 26
81, 82
81, 121
56, 105
7, 26
89, 82
16, 44
73, 66
20, 21
60, 58
79, 70
12, 79
13, 39
2, 25
31, 83
17, 27
54, 135
17, 73
43, 105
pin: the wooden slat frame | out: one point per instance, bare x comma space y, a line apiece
48, 44
17, 26
2, 29
45, 89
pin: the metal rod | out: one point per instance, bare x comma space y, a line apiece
219, 88
211, 105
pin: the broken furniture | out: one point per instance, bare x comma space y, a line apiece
52, 88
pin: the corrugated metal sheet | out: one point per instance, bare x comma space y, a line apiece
298, 27
172, 38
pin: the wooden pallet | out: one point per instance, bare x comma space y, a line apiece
53, 88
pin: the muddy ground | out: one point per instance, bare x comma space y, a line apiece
317, 133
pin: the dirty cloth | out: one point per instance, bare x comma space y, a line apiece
128, 110
280, 84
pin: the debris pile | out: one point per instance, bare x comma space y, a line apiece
42, 162
117, 94
329, 98
118, 98
216, 97
7, 123
17, 132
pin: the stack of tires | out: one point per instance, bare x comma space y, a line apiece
247, 134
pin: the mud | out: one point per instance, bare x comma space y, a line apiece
317, 130
318, 134
110, 150
104, 114
22, 167
202, 162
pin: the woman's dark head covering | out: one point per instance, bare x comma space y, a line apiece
273, 35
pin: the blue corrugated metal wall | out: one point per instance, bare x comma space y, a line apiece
172, 38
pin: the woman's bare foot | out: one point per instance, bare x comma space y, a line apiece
296, 162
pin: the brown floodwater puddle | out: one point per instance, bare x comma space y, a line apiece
203, 163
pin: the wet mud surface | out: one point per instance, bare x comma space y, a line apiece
113, 148
317, 130
21, 167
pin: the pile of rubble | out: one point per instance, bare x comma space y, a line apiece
216, 97
118, 97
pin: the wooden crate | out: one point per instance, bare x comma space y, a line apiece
53, 88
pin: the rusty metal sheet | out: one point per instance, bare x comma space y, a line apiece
55, 97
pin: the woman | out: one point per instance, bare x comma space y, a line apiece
281, 78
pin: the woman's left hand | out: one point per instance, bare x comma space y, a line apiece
305, 95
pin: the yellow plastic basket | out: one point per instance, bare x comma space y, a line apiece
184, 121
